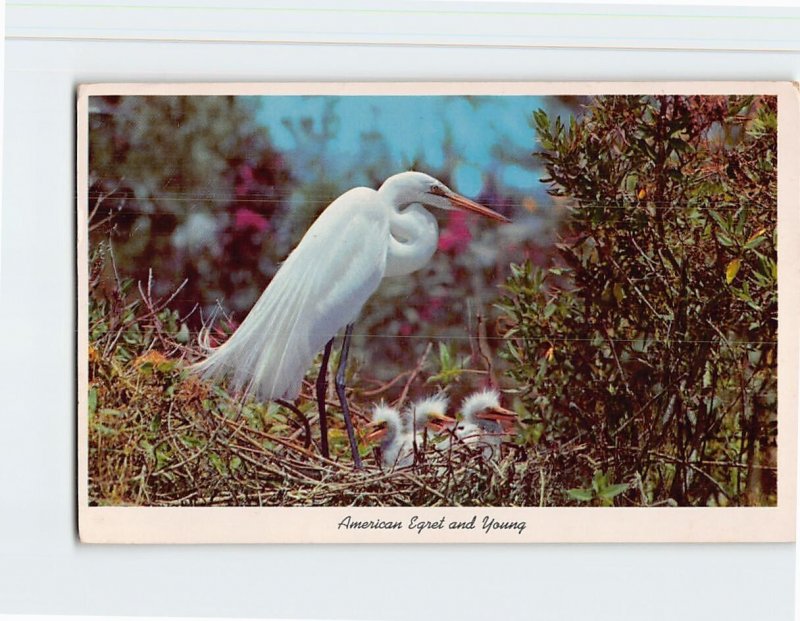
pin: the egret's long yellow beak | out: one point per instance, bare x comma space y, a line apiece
460, 202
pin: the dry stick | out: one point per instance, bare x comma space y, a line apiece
162, 304
743, 413
113, 323
283, 473
180, 500
383, 387
99, 223
148, 302
417, 481
635, 288
652, 400
371, 479
541, 486
279, 440
302, 417
413, 376
703, 462
176, 445
484, 350
616, 359
714, 482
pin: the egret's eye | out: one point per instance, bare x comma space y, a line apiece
437, 190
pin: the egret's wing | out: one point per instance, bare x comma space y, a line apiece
320, 288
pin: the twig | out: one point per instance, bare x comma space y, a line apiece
302, 417
401, 400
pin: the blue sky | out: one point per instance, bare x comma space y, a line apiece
401, 131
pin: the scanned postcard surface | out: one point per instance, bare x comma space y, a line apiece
415, 313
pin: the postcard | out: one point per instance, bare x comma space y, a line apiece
437, 312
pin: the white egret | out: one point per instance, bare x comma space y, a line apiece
481, 424
402, 434
397, 444
360, 238
425, 412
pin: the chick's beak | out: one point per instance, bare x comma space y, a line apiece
440, 421
376, 431
498, 414
459, 202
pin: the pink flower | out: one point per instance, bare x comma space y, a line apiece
245, 218
434, 305
456, 235
245, 181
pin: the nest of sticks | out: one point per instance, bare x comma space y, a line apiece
158, 437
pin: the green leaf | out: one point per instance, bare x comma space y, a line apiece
613, 490
216, 461
104, 430
598, 481
732, 270
583, 495
183, 334
541, 120
444, 356
92, 401
163, 455
148, 448
166, 366
724, 240
707, 376
191, 441
754, 242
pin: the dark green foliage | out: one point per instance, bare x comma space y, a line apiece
653, 339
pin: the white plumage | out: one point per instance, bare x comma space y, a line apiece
397, 445
361, 237
419, 413
320, 288
481, 412
406, 432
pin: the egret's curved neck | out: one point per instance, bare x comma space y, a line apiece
413, 237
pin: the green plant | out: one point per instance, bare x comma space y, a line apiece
601, 491
653, 338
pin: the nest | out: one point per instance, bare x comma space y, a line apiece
160, 438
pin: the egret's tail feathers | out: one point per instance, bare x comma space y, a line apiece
319, 289
269, 353
204, 340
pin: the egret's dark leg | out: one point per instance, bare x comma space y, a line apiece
340, 386
322, 389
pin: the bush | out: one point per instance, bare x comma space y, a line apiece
653, 338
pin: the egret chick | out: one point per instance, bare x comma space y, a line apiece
397, 449
481, 424
428, 413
